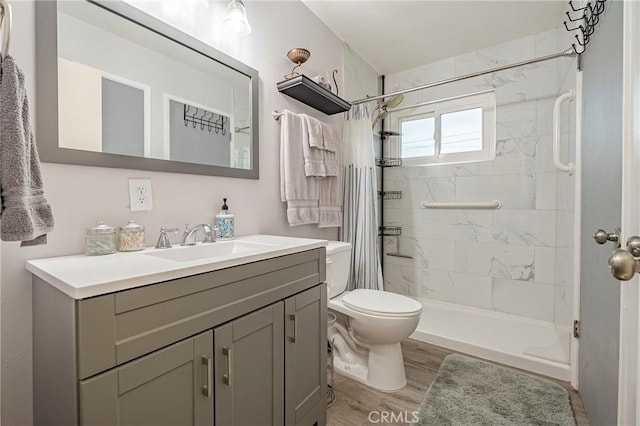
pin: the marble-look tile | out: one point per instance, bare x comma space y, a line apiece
497, 260
564, 267
515, 156
527, 299
545, 269
546, 191
409, 219
497, 55
544, 116
514, 191
546, 43
565, 224
404, 280
566, 191
457, 225
563, 306
438, 190
457, 288
436, 254
525, 227
516, 121
403, 245
544, 154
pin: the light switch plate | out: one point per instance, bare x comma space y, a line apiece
140, 197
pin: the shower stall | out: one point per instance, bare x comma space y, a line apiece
493, 262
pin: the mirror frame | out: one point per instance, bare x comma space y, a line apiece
47, 96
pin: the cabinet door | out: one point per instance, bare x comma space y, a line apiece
249, 369
172, 386
305, 357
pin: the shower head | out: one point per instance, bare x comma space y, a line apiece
383, 107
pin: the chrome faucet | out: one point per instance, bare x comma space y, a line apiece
189, 234
163, 239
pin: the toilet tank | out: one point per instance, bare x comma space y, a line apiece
338, 267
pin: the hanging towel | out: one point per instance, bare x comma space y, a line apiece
26, 214
299, 191
329, 202
331, 163
312, 150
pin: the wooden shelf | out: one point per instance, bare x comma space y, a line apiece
305, 90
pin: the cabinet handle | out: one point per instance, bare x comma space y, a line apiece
226, 378
207, 388
293, 338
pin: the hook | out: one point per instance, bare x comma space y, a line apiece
574, 9
579, 27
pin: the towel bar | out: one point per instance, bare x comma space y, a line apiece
491, 205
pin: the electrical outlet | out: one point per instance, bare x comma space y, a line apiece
140, 198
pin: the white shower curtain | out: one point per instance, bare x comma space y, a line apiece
360, 209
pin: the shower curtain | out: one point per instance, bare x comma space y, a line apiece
360, 209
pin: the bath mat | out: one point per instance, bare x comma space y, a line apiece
468, 391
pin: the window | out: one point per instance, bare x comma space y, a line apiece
455, 130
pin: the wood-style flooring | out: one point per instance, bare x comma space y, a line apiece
354, 401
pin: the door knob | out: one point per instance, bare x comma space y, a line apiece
623, 264
601, 236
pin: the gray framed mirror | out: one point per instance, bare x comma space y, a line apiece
119, 88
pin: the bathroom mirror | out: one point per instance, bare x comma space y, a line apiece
119, 88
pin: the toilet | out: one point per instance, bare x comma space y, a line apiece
371, 323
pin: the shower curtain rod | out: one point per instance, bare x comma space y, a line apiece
569, 53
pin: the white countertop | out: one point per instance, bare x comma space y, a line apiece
82, 276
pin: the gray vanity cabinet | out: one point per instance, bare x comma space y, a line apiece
244, 345
305, 349
172, 386
249, 355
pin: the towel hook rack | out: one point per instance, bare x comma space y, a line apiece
5, 21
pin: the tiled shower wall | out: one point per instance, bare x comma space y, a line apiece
517, 259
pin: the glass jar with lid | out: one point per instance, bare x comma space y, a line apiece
101, 239
131, 237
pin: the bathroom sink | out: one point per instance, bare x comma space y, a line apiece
207, 251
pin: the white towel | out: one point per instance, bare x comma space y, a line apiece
299, 191
312, 151
330, 202
329, 138
315, 127
26, 214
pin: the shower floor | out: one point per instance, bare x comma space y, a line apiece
524, 343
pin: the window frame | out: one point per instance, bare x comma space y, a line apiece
485, 100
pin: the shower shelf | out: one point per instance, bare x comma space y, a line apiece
307, 91
389, 231
388, 162
390, 195
386, 133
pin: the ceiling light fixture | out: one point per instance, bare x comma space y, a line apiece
235, 20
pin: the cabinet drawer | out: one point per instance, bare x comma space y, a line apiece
118, 327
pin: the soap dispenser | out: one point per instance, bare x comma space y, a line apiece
225, 221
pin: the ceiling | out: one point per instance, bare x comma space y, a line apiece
396, 35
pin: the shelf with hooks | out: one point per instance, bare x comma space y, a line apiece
307, 91
202, 118
583, 20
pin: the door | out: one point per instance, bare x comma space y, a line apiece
601, 169
305, 357
249, 369
169, 387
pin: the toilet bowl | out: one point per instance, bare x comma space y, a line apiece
370, 326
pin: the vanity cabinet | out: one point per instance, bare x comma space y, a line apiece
168, 387
245, 345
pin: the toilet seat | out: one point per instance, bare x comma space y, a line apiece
381, 303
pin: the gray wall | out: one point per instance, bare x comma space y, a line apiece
195, 144
601, 208
122, 119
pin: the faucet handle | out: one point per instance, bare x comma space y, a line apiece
210, 233
163, 239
